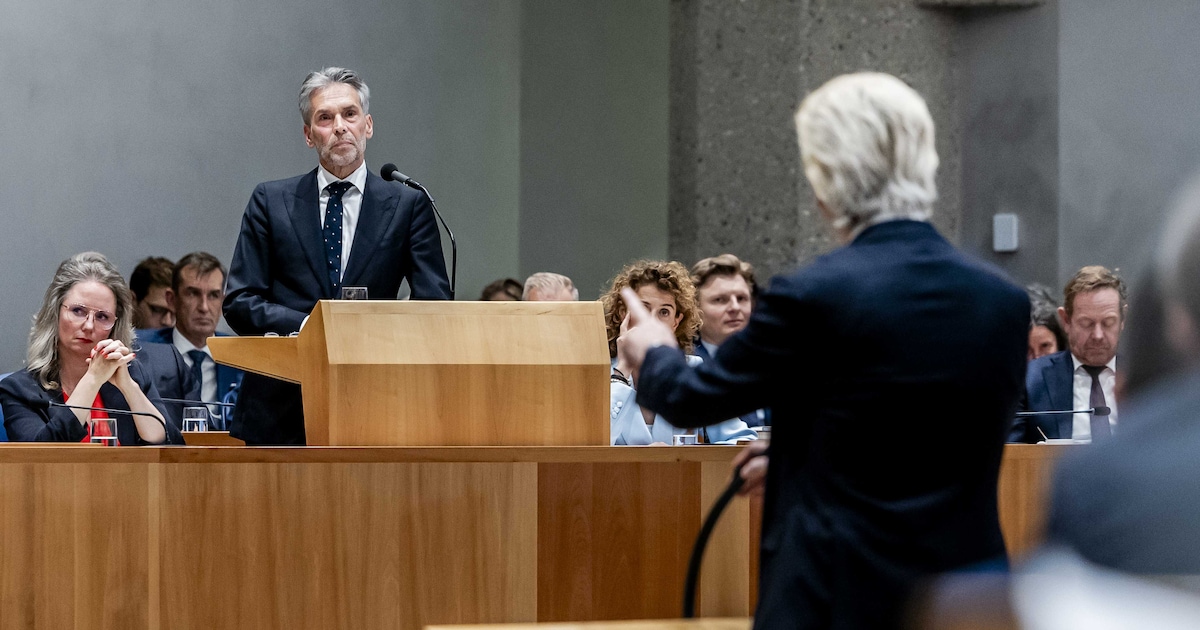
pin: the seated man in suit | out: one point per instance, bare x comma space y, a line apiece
197, 290
1084, 376
725, 293
150, 281
1132, 503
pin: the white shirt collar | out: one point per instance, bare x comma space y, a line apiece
1112, 363
183, 345
358, 178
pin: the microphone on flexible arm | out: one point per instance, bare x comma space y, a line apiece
197, 403
1095, 411
390, 173
45, 404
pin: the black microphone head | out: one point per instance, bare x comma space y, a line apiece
392, 174
1101, 411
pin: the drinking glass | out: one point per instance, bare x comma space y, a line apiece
195, 418
103, 431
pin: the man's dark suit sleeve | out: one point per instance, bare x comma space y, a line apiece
246, 308
739, 379
428, 278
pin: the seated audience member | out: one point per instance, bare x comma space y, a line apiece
197, 291
1084, 375
150, 281
725, 292
502, 290
1132, 504
171, 376
79, 355
1045, 332
549, 287
668, 293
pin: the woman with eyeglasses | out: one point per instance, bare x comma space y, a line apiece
79, 355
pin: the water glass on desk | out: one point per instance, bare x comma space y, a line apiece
103, 431
195, 418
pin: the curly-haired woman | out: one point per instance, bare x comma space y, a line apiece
667, 291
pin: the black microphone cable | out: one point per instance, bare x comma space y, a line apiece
166, 432
714, 514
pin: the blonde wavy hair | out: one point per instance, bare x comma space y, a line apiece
669, 277
42, 358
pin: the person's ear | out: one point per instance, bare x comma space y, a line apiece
169, 295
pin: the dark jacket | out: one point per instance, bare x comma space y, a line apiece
892, 367
28, 418
278, 273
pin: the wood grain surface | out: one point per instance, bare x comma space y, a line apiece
412, 373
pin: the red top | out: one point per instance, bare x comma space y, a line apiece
102, 429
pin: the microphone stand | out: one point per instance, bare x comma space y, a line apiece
129, 412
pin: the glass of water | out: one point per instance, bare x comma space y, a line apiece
354, 293
103, 431
195, 418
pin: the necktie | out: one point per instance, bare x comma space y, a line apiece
332, 231
1100, 427
198, 357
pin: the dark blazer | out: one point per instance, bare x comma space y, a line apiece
171, 375
227, 376
278, 274
1131, 503
27, 419
1049, 386
751, 419
885, 452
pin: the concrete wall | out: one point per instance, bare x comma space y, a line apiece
738, 71
593, 137
1010, 135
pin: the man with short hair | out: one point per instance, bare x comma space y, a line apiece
1132, 503
861, 502
150, 281
197, 290
725, 293
1083, 376
304, 238
544, 286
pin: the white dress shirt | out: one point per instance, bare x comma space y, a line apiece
1081, 428
351, 205
208, 388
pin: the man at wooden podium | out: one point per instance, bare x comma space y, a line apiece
303, 239
892, 367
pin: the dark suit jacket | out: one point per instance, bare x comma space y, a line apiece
278, 273
751, 419
1049, 386
892, 367
1132, 503
227, 376
28, 420
171, 375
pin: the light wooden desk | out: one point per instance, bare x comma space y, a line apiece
665, 624
360, 537
364, 537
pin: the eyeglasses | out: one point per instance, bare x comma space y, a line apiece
80, 313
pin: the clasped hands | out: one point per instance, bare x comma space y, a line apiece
109, 361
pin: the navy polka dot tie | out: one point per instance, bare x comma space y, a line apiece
332, 231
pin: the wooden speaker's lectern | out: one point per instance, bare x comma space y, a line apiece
399, 373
